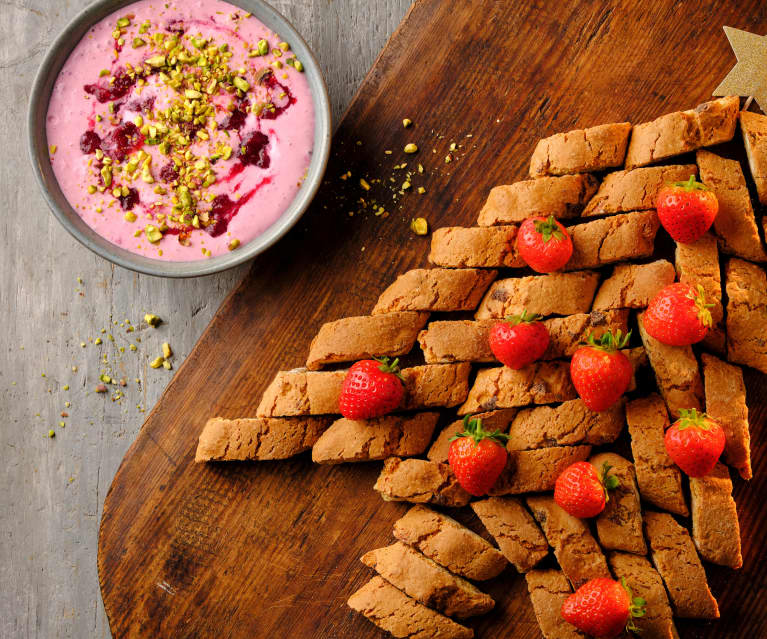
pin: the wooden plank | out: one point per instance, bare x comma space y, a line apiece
272, 549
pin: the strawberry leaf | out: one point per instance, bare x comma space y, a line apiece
636, 608
523, 319
693, 419
472, 427
608, 342
393, 368
549, 229
692, 185
699, 297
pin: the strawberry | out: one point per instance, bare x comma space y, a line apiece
600, 372
678, 315
477, 457
694, 442
371, 388
581, 491
686, 209
544, 244
603, 608
519, 340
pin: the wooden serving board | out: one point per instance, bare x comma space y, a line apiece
271, 549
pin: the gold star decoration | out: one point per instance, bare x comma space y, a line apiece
748, 78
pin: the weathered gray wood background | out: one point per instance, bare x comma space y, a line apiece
51, 490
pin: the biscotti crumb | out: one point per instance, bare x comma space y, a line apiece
581, 151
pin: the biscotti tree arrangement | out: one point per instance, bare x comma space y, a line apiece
539, 365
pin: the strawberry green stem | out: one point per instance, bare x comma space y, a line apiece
522, 319
609, 342
693, 419
692, 185
549, 229
386, 367
472, 427
637, 608
699, 297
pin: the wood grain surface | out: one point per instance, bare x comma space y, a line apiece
271, 549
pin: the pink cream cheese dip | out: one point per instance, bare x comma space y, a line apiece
180, 130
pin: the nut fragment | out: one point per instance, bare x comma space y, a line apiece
153, 320
419, 226
411, 148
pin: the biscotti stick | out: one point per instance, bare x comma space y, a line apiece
436, 289
676, 371
302, 392
514, 530
633, 285
349, 440
575, 548
551, 294
581, 151
715, 527
675, 558
746, 286
450, 544
698, 264
734, 224
726, 404
613, 239
467, 341
568, 424
421, 482
754, 129
635, 190
491, 421
659, 479
548, 590
563, 197
502, 387
683, 131
458, 247
258, 438
353, 338
532, 471
427, 582
619, 525
401, 616
645, 582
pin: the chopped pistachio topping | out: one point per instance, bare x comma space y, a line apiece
129, 216
156, 362
298, 65
153, 320
419, 226
234, 244
167, 365
407, 122
263, 47
411, 148
166, 352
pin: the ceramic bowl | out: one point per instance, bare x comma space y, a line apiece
72, 222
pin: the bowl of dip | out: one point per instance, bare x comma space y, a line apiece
182, 137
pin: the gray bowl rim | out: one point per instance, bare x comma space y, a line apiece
42, 87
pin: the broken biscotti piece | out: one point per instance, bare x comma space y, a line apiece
353, 338
734, 224
635, 190
459, 247
568, 424
698, 263
394, 612
302, 392
548, 590
715, 528
676, 371
420, 481
659, 479
677, 561
258, 438
491, 421
576, 550
683, 131
551, 294
754, 129
581, 151
532, 471
514, 530
619, 525
502, 387
467, 341
645, 582
726, 404
436, 289
633, 285
563, 197
426, 581
350, 440
746, 286
613, 239
450, 544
